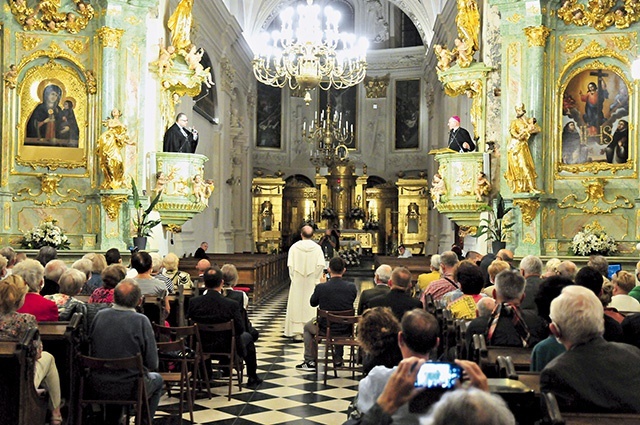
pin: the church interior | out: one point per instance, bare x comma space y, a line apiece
367, 141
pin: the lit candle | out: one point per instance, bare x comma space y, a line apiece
304, 126
351, 128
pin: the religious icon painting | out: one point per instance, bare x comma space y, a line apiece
269, 117
595, 118
407, 115
51, 129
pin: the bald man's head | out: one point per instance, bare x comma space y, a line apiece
203, 265
127, 293
306, 232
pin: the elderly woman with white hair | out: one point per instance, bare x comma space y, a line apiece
178, 278
71, 283
594, 375
32, 272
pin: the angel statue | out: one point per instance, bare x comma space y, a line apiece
438, 188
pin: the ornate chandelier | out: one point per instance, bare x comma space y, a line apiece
305, 57
328, 139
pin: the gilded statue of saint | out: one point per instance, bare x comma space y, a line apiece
110, 144
468, 23
179, 24
521, 172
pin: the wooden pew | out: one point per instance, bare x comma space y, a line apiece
553, 416
61, 340
261, 273
488, 356
20, 404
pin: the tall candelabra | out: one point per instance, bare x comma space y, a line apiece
328, 139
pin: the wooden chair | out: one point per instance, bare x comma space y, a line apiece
92, 390
153, 308
222, 332
198, 362
347, 340
20, 403
321, 336
553, 416
173, 352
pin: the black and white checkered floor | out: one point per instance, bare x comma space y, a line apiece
287, 395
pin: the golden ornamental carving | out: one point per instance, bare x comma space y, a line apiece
53, 52
598, 204
515, 18
445, 207
47, 16
468, 23
537, 36
90, 81
465, 231
51, 163
599, 14
49, 183
376, 87
622, 42
529, 238
77, 46
29, 42
528, 209
133, 20
638, 224
173, 228
110, 37
181, 206
309, 193
544, 220
112, 203
572, 44
595, 50
593, 167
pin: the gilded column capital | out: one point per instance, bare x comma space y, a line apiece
112, 203
528, 208
110, 37
537, 36
376, 87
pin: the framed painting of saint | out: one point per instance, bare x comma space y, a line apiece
52, 121
343, 106
269, 117
595, 119
407, 115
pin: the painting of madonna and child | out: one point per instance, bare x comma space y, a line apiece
52, 122
595, 118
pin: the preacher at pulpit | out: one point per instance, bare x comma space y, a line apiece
179, 138
459, 138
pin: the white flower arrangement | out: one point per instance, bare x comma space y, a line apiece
46, 234
593, 240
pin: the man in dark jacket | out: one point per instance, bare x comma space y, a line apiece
333, 295
381, 279
398, 299
212, 308
179, 138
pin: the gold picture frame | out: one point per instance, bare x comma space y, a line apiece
594, 104
52, 119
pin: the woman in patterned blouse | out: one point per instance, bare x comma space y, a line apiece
71, 283
14, 325
111, 276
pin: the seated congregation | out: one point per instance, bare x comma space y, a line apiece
569, 336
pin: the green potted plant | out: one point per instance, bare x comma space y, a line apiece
494, 227
141, 220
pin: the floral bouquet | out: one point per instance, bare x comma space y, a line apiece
350, 257
356, 213
328, 213
593, 240
46, 234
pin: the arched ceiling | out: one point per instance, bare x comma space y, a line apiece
252, 14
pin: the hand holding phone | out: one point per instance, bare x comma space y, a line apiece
438, 375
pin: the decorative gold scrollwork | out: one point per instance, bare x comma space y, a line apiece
465, 231
376, 87
76, 46
110, 37
49, 183
595, 197
173, 228
112, 203
599, 14
528, 209
537, 36
572, 44
29, 42
46, 16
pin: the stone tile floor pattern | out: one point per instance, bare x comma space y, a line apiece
287, 396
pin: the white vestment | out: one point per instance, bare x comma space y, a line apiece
306, 263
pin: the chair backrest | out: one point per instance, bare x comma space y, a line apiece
116, 381
345, 324
218, 338
322, 316
152, 307
173, 352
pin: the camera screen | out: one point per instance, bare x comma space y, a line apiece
438, 375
